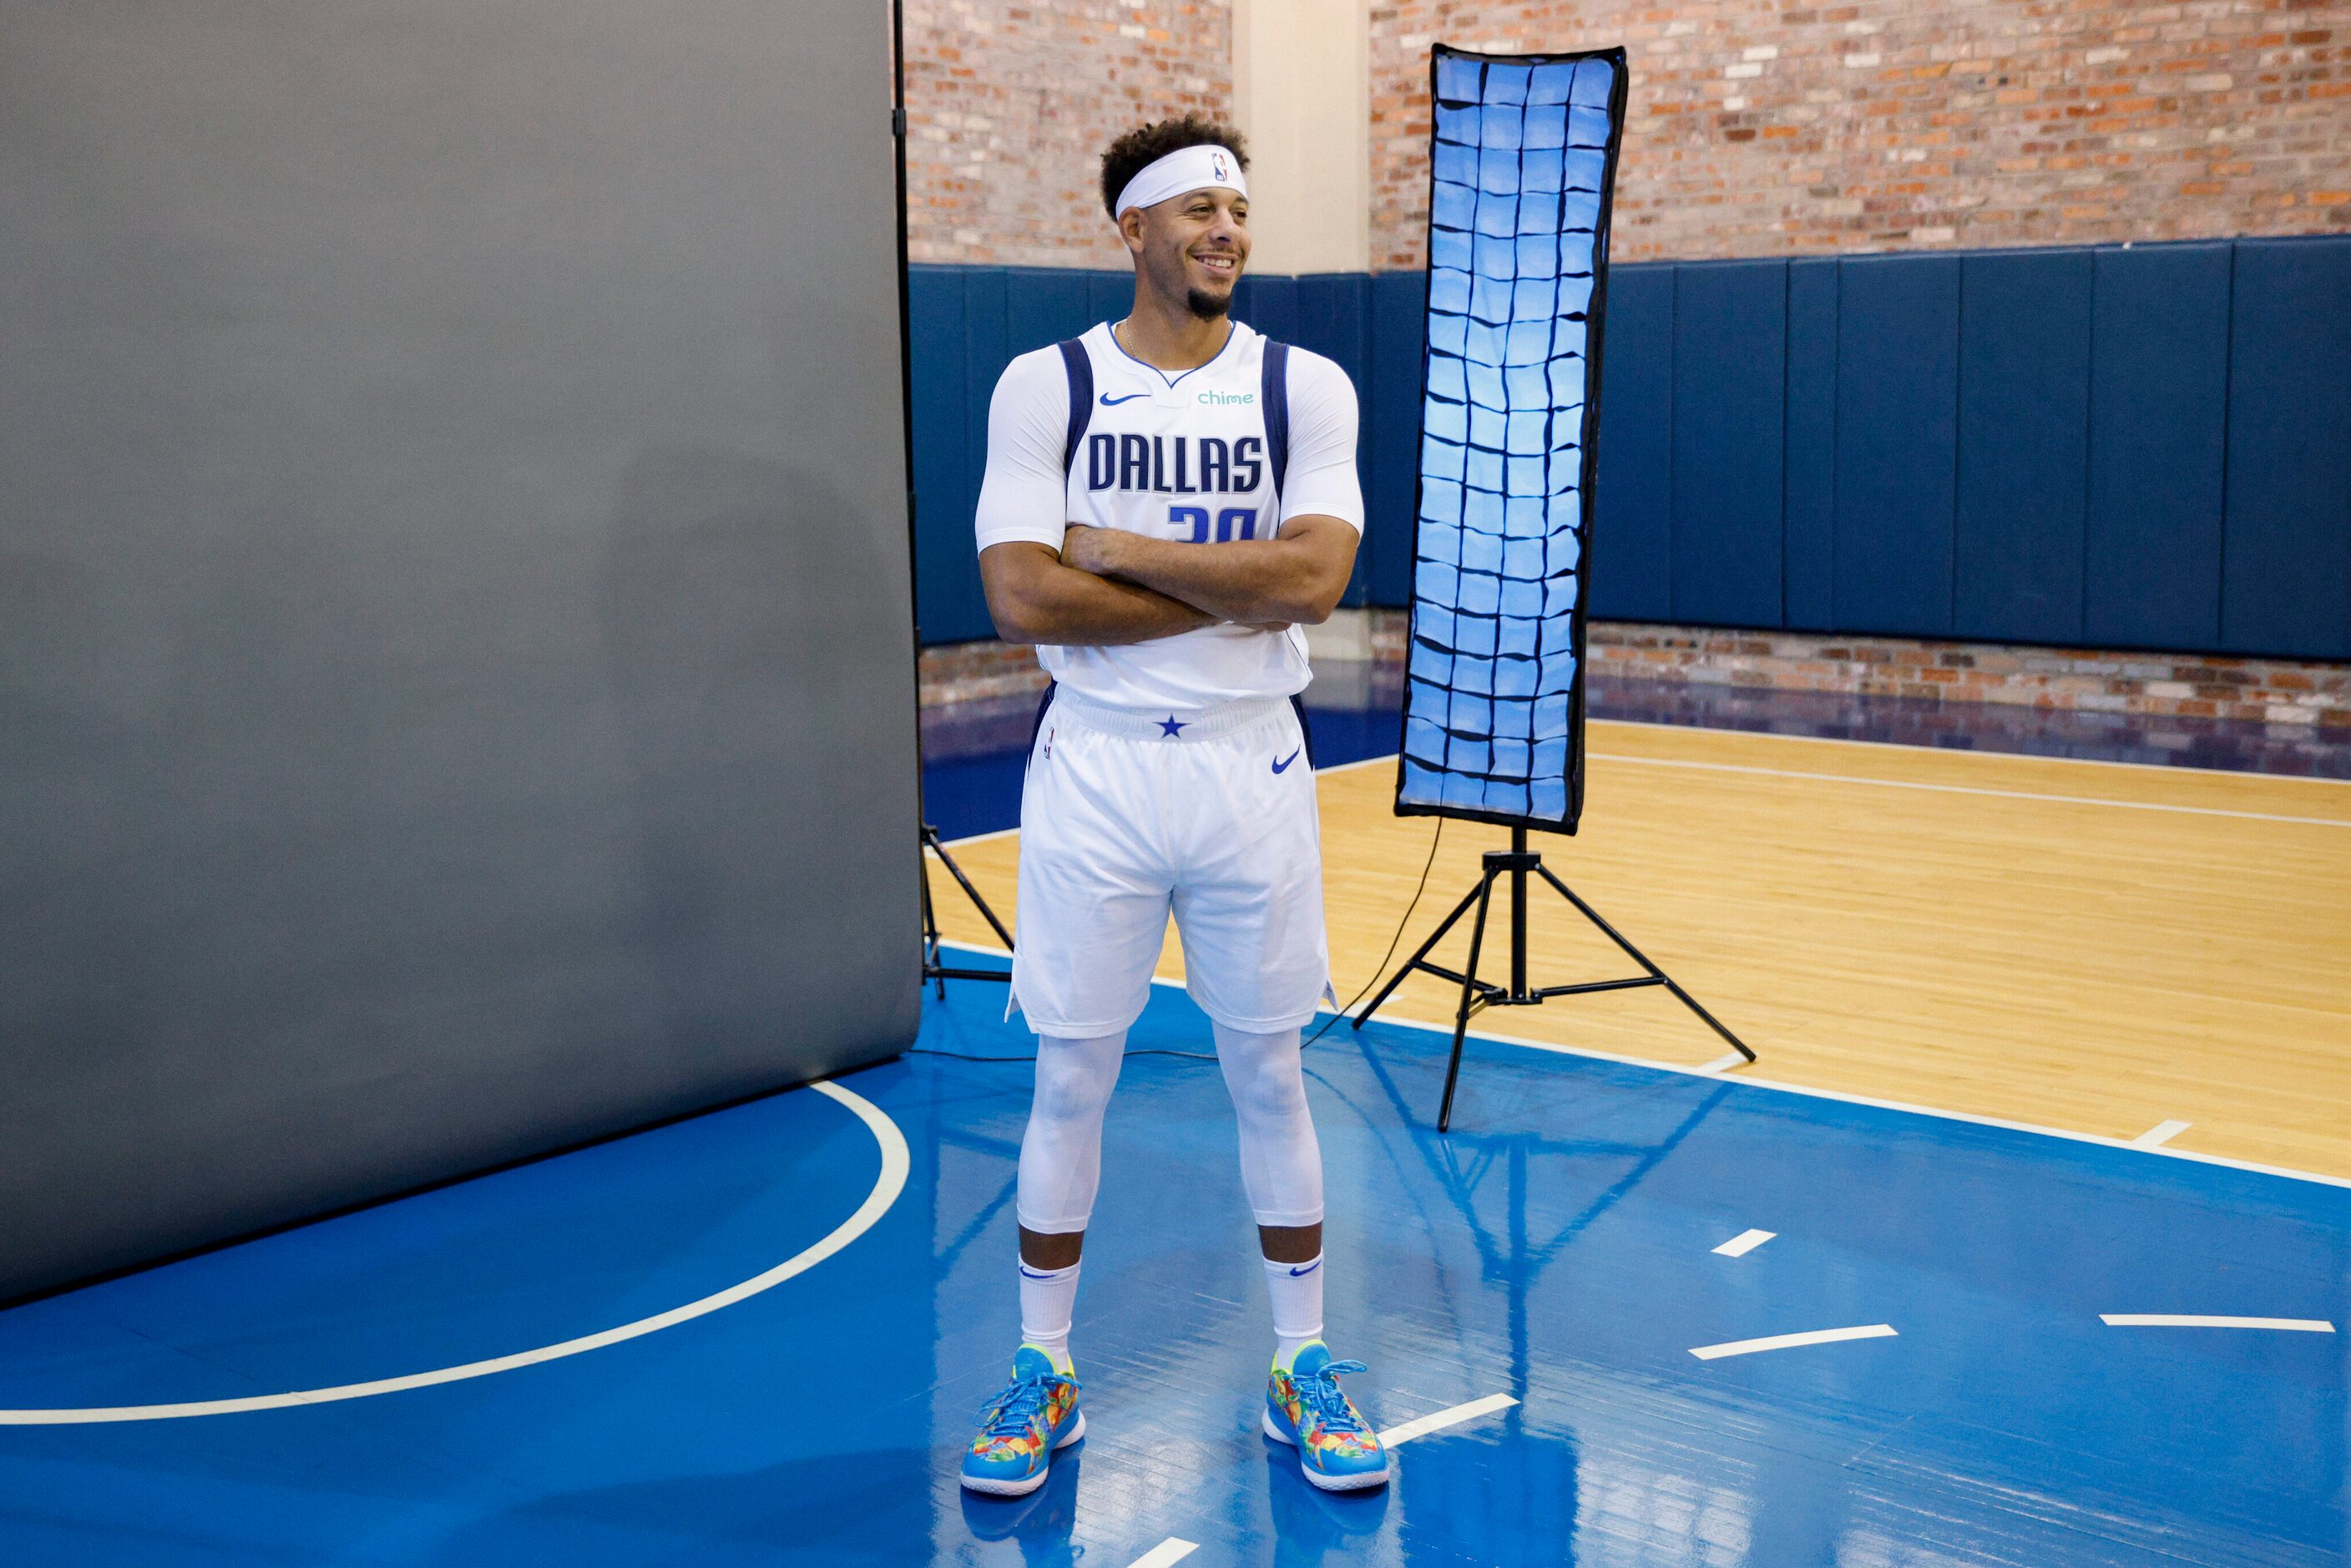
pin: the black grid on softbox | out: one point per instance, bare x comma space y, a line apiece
1522, 165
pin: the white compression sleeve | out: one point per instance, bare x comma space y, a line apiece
1060, 1153
1282, 1162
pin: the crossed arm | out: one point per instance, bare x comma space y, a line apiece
1108, 587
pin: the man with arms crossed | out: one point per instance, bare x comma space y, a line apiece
1160, 543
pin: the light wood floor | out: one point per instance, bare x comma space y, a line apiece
2077, 946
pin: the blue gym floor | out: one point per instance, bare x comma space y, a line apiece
1558, 1248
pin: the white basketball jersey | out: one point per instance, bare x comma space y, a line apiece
1177, 455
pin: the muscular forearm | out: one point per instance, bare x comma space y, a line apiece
1060, 604
1255, 580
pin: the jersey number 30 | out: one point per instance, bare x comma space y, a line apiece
1232, 523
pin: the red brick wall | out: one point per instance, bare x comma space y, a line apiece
1010, 106
1760, 128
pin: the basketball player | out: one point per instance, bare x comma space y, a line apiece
1167, 498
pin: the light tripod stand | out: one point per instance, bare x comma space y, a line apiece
1518, 862
934, 972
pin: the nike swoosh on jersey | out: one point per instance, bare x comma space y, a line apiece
1109, 402
1286, 761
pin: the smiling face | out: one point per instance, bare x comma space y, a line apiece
1191, 249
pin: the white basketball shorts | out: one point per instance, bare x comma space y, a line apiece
1127, 819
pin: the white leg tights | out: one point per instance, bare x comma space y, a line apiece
1060, 1153
1282, 1162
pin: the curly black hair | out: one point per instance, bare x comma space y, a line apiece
1145, 145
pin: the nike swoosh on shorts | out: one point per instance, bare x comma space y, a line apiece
1286, 761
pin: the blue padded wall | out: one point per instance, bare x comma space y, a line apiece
1391, 396
1330, 313
1730, 400
2158, 427
947, 604
1631, 495
987, 304
1898, 442
2023, 447
2140, 447
1809, 569
2285, 578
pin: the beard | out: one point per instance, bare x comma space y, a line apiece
1207, 307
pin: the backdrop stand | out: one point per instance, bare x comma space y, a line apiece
1478, 995
933, 970
929, 843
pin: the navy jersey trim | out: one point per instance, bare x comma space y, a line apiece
1276, 403
1081, 396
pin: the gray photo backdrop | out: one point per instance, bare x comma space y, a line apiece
456, 690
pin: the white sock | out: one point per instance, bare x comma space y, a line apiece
1296, 1290
1048, 1297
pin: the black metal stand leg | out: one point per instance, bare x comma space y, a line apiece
1478, 995
931, 934
1643, 959
1414, 962
932, 969
1468, 988
939, 848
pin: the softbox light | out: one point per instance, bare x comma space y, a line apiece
1522, 167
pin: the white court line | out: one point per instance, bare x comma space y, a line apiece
1967, 789
2066, 1133
2162, 1133
1724, 1063
2192, 1320
1437, 1420
971, 839
1746, 1241
1963, 751
1174, 1549
886, 1189
1790, 1340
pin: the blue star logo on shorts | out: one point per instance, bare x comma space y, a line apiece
1171, 726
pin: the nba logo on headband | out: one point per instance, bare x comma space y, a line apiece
1202, 166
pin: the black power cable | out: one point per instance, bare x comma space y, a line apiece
1422, 886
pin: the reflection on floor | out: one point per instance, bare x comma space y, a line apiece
1560, 1247
975, 751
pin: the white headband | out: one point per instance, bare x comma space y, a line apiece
1185, 168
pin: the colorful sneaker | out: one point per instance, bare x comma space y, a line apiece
1304, 1407
1021, 1426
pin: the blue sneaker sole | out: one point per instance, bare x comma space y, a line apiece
1359, 1481
1022, 1486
